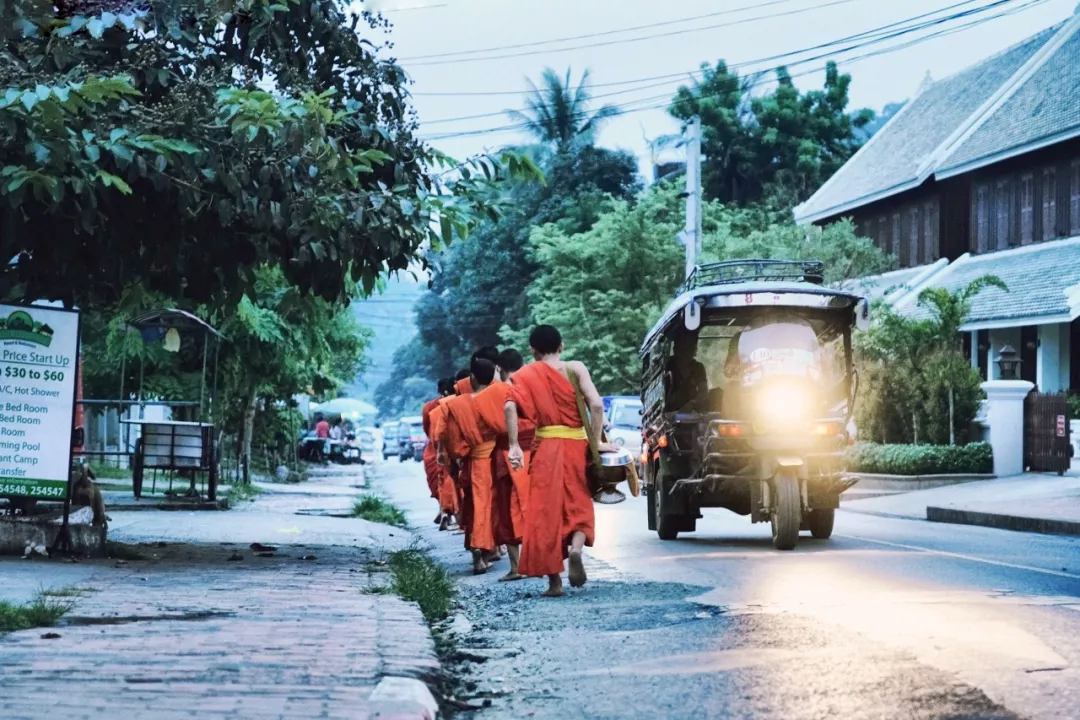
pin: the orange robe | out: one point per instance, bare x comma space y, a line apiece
466, 440
432, 469
511, 487
448, 494
559, 501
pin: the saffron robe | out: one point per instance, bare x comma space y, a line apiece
432, 469
448, 492
511, 487
559, 502
466, 440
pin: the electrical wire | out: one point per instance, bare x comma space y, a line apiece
623, 41
605, 33
626, 109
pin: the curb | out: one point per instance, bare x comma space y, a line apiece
878, 513
908, 483
404, 698
1019, 523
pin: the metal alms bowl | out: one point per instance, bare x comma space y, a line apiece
621, 458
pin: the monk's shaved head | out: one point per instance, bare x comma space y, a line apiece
483, 371
545, 340
489, 353
510, 360
446, 386
462, 374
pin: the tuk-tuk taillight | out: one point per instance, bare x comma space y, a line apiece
662, 441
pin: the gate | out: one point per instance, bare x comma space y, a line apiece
1047, 446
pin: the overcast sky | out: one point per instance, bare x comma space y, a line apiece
437, 27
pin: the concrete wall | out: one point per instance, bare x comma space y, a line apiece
16, 534
1052, 372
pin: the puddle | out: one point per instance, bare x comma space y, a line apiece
125, 619
323, 513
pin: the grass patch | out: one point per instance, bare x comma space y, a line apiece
241, 491
42, 611
374, 509
105, 471
64, 592
422, 580
118, 487
122, 551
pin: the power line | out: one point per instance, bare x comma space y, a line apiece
622, 41
682, 75
606, 33
667, 97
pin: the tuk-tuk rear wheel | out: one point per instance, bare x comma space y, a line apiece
667, 526
821, 523
786, 510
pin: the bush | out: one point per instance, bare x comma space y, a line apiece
973, 459
374, 509
1074, 406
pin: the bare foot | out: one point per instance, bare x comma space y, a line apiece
552, 592
577, 569
438, 519
512, 576
479, 567
492, 557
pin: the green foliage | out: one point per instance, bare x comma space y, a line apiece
776, 148
605, 287
43, 611
557, 113
973, 459
421, 580
375, 509
143, 146
241, 491
1074, 406
916, 386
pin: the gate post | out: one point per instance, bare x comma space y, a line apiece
1005, 416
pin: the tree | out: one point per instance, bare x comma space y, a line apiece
775, 148
917, 385
557, 114
187, 145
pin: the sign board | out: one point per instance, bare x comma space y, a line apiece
1061, 426
38, 351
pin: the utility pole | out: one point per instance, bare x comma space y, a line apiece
691, 236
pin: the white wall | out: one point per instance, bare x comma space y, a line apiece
999, 339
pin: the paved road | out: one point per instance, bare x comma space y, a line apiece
890, 618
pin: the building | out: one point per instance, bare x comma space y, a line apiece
980, 175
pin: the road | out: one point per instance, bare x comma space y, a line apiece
889, 619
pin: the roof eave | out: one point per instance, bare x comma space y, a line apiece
856, 203
1002, 323
1017, 151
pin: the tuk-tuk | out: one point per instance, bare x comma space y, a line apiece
748, 388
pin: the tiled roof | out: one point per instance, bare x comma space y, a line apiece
910, 147
878, 286
1039, 278
1047, 104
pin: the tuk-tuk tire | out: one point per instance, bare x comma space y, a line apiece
821, 523
787, 510
667, 526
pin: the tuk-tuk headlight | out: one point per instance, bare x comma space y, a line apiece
780, 402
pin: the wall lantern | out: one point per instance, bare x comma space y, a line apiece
1008, 363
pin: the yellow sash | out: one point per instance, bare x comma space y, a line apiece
561, 432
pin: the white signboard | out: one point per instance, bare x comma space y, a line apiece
38, 350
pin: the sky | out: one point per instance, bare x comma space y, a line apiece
765, 28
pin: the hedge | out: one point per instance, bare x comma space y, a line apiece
973, 459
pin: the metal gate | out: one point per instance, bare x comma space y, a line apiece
1047, 446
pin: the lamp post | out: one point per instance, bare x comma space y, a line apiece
1008, 362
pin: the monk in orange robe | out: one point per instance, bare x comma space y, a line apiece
559, 519
466, 440
511, 485
432, 469
450, 495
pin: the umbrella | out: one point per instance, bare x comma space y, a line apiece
349, 408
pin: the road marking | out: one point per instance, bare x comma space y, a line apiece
961, 556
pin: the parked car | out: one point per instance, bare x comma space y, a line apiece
412, 438
365, 438
390, 440
622, 422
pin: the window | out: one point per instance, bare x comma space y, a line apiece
981, 226
1003, 201
1027, 209
930, 228
913, 237
1074, 198
1049, 203
894, 236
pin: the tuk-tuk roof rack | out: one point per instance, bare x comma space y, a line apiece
740, 271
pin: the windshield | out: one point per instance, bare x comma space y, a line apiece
626, 415
783, 348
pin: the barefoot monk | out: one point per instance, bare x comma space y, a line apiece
559, 513
432, 469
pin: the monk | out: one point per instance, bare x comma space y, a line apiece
432, 469
559, 519
510, 485
449, 491
466, 440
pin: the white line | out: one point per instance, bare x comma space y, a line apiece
971, 558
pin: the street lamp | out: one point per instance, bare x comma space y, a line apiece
1008, 363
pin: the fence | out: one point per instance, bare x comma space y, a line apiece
1047, 446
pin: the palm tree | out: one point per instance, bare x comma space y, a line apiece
556, 113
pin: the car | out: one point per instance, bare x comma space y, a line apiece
390, 440
622, 423
365, 437
412, 439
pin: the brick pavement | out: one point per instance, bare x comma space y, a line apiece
191, 634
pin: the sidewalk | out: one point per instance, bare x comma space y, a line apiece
1031, 502
204, 627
